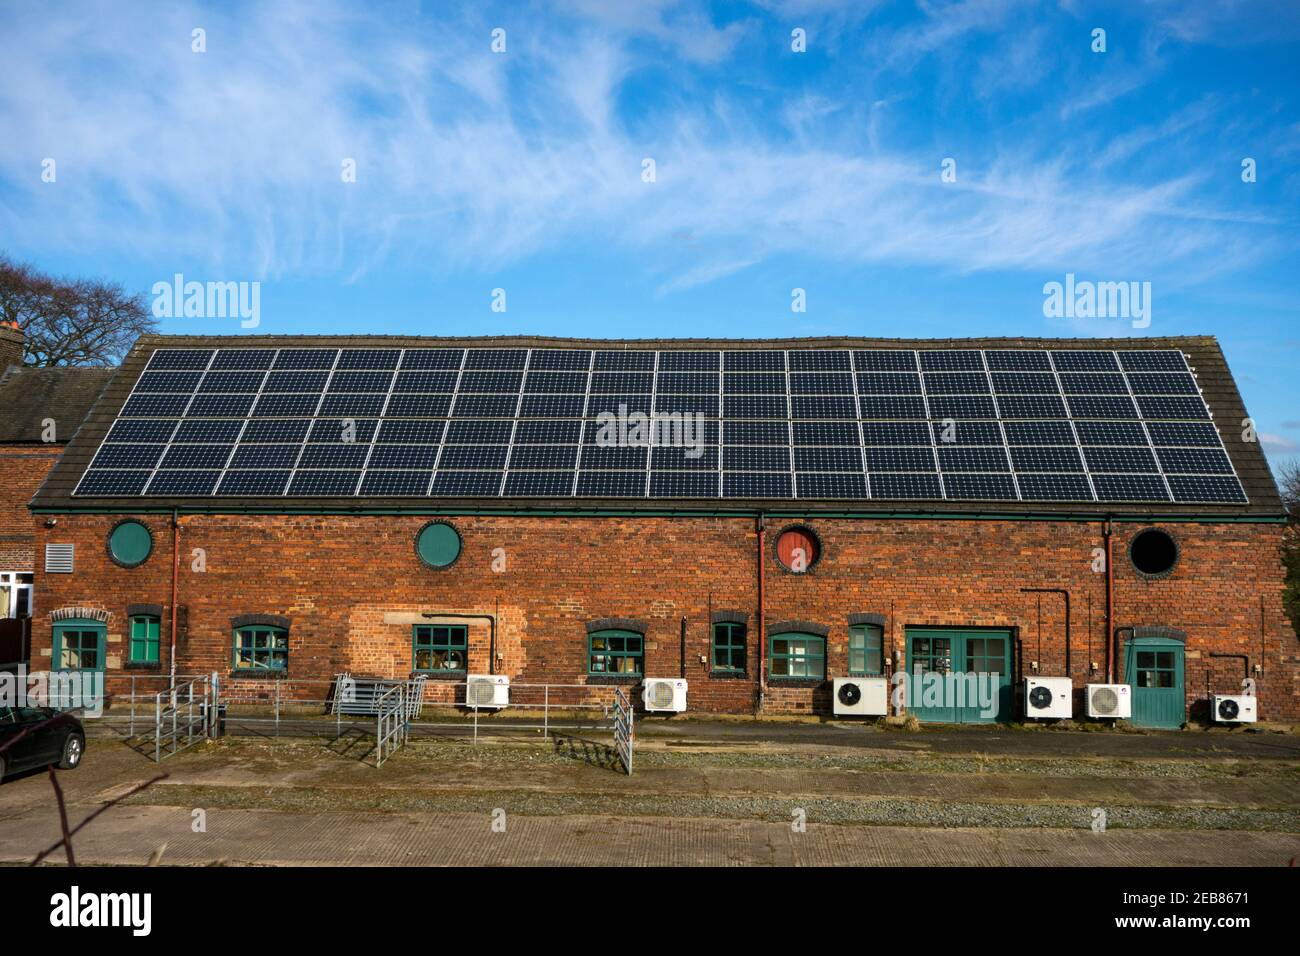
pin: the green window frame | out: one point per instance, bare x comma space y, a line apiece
730, 641
866, 650
261, 647
439, 648
79, 645
796, 656
146, 639
615, 652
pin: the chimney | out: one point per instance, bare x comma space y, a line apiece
11, 345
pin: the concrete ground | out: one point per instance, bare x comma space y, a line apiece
703, 793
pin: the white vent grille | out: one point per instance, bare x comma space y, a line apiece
481, 692
58, 558
1105, 702
661, 694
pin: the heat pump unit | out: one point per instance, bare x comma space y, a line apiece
487, 691
1048, 698
1110, 700
1233, 709
664, 695
861, 696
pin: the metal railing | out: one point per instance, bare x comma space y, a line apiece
624, 729
185, 715
392, 723
279, 705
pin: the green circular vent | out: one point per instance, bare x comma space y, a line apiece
438, 545
129, 543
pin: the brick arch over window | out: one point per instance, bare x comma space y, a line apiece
262, 620
878, 620
798, 627
1159, 630
729, 617
617, 624
80, 613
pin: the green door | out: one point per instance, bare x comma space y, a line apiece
1154, 668
959, 676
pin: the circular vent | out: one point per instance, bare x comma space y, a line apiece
1105, 700
849, 694
481, 692
1228, 709
1040, 698
661, 694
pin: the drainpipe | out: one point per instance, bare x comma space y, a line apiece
682, 652
1069, 671
1119, 647
762, 622
176, 573
1112, 634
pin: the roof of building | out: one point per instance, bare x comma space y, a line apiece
65, 490
30, 397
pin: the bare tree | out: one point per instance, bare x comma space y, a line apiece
71, 321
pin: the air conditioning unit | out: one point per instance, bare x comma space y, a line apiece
1048, 698
1110, 700
664, 695
1233, 709
487, 691
861, 696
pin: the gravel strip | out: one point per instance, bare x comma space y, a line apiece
891, 812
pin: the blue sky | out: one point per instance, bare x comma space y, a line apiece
774, 169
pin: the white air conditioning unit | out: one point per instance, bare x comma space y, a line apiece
487, 691
1233, 709
1110, 700
664, 695
1048, 698
861, 696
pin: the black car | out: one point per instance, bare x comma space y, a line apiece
51, 738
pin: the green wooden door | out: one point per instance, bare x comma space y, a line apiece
959, 676
1154, 668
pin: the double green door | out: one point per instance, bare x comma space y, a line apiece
959, 676
1153, 667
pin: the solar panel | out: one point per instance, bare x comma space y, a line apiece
1208, 489
844, 485
809, 423
1049, 487
560, 359
539, 484
755, 361
236, 359
914, 487
683, 484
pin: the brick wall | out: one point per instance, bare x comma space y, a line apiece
22, 469
352, 586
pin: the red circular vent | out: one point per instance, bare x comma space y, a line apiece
798, 549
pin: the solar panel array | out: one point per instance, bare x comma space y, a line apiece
974, 425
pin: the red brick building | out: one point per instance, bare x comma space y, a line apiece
290, 508
40, 410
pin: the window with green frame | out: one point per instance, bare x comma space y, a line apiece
440, 648
146, 632
797, 657
729, 647
866, 649
615, 652
261, 647
79, 645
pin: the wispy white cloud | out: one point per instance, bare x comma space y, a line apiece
467, 159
